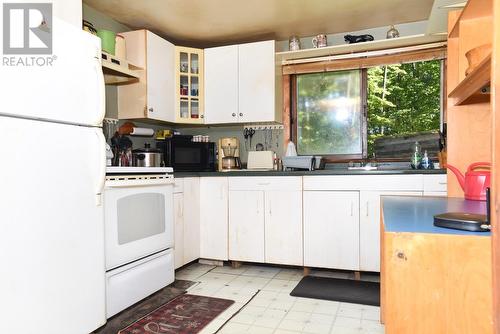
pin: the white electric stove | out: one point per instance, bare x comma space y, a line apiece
139, 233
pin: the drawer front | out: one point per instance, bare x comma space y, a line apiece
435, 183
129, 284
178, 186
408, 182
283, 183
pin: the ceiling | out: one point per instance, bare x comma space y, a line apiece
204, 23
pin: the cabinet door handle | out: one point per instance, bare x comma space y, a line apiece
234, 114
151, 109
443, 183
401, 255
241, 114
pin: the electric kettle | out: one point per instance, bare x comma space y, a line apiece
475, 182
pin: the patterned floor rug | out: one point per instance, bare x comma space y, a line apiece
144, 307
186, 314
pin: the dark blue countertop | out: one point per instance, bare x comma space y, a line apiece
311, 173
416, 214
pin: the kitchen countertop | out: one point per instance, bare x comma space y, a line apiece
416, 214
311, 173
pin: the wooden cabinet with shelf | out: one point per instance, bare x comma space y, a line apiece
464, 28
189, 85
473, 124
468, 111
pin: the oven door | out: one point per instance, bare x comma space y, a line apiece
138, 220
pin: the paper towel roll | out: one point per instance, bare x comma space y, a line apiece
142, 132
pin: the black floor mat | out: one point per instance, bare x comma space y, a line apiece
341, 290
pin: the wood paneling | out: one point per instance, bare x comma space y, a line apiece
435, 283
287, 135
496, 166
469, 126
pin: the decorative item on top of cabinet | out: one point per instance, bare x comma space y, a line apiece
189, 71
153, 96
392, 32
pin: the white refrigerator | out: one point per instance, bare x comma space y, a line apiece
52, 172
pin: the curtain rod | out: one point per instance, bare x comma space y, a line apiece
365, 54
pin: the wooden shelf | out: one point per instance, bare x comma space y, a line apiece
118, 71
472, 88
472, 10
382, 44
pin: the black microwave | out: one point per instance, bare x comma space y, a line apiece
182, 154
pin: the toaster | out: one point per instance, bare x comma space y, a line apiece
260, 160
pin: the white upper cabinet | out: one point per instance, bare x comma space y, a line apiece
256, 82
160, 57
153, 96
241, 84
221, 88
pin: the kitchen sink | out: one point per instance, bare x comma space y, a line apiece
363, 168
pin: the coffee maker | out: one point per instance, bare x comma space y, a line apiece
229, 154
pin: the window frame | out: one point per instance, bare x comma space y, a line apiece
364, 118
290, 73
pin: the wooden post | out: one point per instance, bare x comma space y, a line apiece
307, 271
235, 264
357, 276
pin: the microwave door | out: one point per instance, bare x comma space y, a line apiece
188, 157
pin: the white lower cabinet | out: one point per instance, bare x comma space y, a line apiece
178, 230
186, 220
331, 229
312, 221
283, 227
246, 226
214, 218
369, 227
265, 220
191, 215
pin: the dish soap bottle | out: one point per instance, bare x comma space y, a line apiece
416, 158
426, 162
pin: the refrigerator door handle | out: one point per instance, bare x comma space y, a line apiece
101, 177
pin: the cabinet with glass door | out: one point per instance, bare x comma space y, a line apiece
189, 85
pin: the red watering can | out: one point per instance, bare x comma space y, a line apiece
475, 182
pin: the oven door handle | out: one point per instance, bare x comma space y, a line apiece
117, 183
